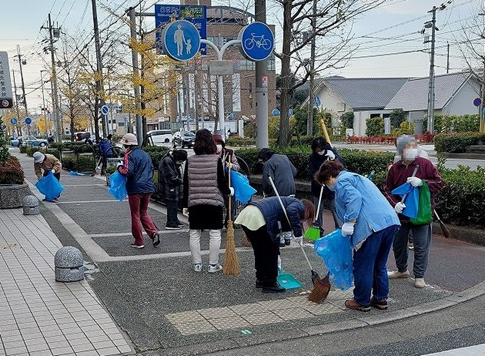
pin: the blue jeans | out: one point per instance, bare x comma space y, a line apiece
172, 211
422, 243
370, 266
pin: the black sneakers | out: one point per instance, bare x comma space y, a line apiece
156, 238
275, 288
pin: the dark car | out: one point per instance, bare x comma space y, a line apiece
185, 139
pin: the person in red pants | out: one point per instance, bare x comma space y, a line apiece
137, 166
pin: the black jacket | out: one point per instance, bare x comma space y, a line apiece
314, 162
169, 178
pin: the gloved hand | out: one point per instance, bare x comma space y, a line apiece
229, 165
348, 228
399, 207
185, 212
232, 191
119, 164
330, 155
415, 181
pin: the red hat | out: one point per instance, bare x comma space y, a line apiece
218, 138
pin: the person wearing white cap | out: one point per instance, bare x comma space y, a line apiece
45, 162
137, 166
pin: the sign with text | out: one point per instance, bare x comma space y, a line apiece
6, 97
165, 14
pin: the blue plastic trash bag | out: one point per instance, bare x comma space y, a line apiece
336, 252
242, 190
49, 186
412, 199
117, 188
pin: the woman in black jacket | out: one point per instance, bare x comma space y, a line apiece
321, 152
170, 185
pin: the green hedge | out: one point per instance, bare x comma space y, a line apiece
457, 143
78, 163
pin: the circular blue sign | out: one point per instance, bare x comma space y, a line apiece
257, 41
477, 102
13, 121
232, 116
105, 109
290, 112
28, 120
275, 112
181, 40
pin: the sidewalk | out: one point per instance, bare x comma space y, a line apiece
160, 303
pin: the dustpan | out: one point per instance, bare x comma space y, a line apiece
312, 233
287, 280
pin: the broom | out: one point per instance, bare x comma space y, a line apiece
446, 232
313, 232
231, 262
321, 287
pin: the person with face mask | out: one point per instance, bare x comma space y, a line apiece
170, 185
414, 170
371, 223
321, 152
137, 166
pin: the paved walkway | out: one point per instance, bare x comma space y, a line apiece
181, 312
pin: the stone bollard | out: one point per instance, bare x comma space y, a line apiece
68, 263
30, 204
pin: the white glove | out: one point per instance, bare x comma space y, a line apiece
399, 207
185, 212
330, 155
347, 229
232, 191
119, 164
415, 181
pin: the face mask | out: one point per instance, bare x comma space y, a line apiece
321, 153
410, 154
219, 148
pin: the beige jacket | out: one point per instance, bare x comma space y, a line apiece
50, 163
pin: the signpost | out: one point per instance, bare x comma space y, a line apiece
13, 121
165, 14
181, 40
105, 111
6, 97
257, 41
275, 112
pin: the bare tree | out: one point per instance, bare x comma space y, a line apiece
332, 18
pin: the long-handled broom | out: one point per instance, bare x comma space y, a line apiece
231, 262
446, 232
321, 287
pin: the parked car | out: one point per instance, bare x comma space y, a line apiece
82, 136
159, 137
31, 141
185, 139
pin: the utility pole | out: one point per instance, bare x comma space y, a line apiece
261, 92
482, 91
43, 101
447, 57
16, 102
311, 99
431, 95
21, 62
136, 74
99, 102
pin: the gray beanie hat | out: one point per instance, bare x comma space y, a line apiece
402, 141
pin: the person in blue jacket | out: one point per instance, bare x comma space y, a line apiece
105, 151
261, 221
321, 152
371, 224
137, 166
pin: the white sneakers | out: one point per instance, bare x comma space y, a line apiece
198, 267
397, 274
215, 268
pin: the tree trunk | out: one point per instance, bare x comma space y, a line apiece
285, 75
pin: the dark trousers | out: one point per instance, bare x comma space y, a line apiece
172, 210
265, 255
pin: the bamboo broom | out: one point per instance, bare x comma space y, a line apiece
231, 262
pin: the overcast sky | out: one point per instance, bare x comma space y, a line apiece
380, 36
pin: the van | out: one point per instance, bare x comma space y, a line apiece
81, 136
157, 137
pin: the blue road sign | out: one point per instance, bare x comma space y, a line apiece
28, 120
290, 112
317, 102
257, 41
181, 40
275, 112
232, 116
105, 109
477, 102
13, 121
197, 14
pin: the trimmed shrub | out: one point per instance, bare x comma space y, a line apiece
458, 142
78, 163
156, 153
11, 172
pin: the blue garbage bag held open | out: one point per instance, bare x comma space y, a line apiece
336, 252
242, 190
411, 201
117, 188
49, 186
